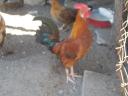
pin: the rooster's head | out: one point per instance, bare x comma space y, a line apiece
84, 9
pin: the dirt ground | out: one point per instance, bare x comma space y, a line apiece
32, 70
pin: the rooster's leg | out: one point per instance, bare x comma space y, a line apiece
69, 78
72, 74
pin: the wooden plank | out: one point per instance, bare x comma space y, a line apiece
118, 16
97, 84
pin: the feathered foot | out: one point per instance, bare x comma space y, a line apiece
71, 75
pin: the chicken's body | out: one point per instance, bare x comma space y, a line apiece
2, 31
76, 46
62, 14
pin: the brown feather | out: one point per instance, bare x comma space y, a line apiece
62, 14
2, 31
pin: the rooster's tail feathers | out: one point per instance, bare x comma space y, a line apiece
48, 22
48, 34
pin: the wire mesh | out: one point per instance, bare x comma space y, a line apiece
122, 65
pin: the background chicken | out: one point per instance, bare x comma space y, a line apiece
2, 31
12, 4
62, 14
73, 48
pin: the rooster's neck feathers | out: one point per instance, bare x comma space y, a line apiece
78, 26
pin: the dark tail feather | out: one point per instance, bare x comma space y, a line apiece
48, 34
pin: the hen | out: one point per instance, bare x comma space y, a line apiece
2, 31
62, 14
12, 4
73, 48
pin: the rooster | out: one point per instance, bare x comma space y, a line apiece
71, 49
2, 31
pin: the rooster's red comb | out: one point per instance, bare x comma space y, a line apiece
84, 8
81, 6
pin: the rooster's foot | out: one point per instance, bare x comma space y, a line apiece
71, 76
